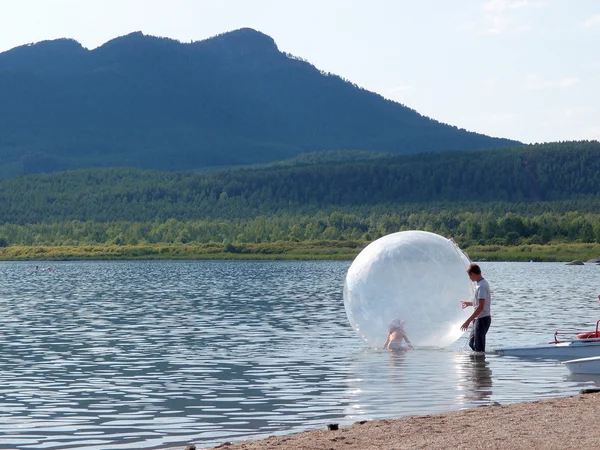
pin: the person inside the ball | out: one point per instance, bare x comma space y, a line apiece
397, 338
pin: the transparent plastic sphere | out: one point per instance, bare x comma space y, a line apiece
413, 278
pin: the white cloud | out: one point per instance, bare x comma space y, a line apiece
567, 82
576, 112
504, 5
502, 16
400, 93
501, 117
533, 81
400, 89
592, 132
522, 29
593, 21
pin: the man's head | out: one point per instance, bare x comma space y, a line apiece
474, 271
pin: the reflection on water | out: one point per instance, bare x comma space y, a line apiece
406, 383
477, 377
117, 355
585, 378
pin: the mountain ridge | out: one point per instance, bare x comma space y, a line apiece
156, 103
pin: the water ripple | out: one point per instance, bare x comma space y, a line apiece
120, 355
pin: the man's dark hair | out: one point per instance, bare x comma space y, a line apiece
474, 268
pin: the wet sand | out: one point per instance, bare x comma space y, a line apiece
563, 423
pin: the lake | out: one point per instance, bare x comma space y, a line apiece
123, 355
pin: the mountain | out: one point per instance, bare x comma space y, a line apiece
156, 103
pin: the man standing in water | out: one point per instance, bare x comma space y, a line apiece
481, 317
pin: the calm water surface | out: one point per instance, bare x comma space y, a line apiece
122, 355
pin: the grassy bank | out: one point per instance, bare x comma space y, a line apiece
549, 252
327, 250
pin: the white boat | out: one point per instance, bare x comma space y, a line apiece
580, 348
584, 345
584, 365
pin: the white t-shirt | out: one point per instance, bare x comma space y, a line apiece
482, 290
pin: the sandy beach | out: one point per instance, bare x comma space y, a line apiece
562, 423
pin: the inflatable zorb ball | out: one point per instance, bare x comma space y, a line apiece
416, 278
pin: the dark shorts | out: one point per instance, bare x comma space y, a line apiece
478, 332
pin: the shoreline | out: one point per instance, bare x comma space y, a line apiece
282, 250
557, 423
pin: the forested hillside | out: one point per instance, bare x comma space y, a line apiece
154, 103
549, 173
535, 193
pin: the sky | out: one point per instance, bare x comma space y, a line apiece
527, 70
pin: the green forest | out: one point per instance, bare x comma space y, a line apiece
524, 196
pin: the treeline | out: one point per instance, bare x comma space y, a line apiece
527, 180
534, 194
467, 228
